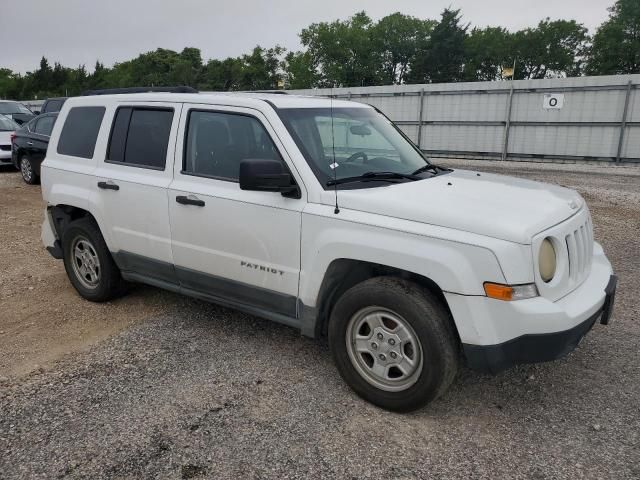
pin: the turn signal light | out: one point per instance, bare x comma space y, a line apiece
510, 292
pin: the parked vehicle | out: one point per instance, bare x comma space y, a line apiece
53, 104
7, 130
320, 214
18, 112
30, 144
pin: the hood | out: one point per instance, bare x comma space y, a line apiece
497, 206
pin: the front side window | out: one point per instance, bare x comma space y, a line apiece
349, 142
217, 142
80, 131
45, 125
140, 137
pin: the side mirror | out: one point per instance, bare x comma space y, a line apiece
266, 176
36, 112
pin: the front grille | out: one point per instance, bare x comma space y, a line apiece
6, 148
580, 249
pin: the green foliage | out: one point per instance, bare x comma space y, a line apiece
440, 58
488, 51
616, 44
342, 52
553, 49
397, 38
360, 52
301, 72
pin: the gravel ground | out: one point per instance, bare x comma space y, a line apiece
201, 391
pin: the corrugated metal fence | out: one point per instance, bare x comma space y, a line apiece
569, 119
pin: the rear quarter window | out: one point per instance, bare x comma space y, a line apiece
80, 131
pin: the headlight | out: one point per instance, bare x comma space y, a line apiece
547, 260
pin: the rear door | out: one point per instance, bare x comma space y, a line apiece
131, 186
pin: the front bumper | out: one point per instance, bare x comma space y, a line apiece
537, 347
496, 335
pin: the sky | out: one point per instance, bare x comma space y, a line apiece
75, 32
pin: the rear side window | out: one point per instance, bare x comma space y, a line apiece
45, 125
140, 137
217, 142
53, 106
80, 131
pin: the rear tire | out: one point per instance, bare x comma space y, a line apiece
393, 343
88, 262
27, 171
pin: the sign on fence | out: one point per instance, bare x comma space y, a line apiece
553, 100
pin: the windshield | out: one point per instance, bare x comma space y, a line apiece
364, 140
14, 107
7, 125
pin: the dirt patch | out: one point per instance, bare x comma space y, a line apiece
41, 315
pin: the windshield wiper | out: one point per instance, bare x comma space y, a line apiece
430, 166
373, 176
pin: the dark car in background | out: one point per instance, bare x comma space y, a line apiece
29, 146
53, 104
18, 112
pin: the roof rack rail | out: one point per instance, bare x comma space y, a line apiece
116, 91
275, 92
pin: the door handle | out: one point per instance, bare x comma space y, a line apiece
190, 200
30, 143
108, 185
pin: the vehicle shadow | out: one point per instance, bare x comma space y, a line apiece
537, 388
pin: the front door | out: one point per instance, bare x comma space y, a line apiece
235, 246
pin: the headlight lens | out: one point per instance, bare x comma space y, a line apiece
547, 260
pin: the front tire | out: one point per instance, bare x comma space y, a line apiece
393, 343
27, 171
88, 262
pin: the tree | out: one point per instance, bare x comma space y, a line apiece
261, 69
552, 49
7, 83
42, 77
342, 52
222, 75
98, 79
487, 51
441, 56
616, 44
397, 37
300, 71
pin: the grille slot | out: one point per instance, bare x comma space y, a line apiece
580, 248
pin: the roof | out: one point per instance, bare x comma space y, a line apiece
246, 99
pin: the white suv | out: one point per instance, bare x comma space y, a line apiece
322, 215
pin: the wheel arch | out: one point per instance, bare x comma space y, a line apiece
62, 215
343, 273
